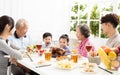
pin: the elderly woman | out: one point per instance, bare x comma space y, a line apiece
83, 33
6, 29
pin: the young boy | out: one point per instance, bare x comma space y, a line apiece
47, 39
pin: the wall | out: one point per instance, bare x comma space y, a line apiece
42, 15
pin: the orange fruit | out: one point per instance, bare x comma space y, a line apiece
107, 50
103, 47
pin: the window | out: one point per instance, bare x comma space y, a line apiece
90, 12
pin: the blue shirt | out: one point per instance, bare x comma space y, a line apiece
66, 48
21, 42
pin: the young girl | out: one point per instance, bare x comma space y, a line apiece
63, 43
83, 33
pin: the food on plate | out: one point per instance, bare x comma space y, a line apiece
93, 53
65, 64
29, 48
41, 62
60, 58
89, 69
56, 52
86, 64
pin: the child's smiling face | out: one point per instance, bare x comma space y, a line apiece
47, 40
63, 42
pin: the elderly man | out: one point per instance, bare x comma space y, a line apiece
21, 39
109, 25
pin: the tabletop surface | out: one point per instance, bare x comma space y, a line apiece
53, 70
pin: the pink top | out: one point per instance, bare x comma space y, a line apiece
82, 47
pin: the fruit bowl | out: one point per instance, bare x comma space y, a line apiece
108, 59
95, 59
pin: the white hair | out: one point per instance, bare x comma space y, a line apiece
21, 23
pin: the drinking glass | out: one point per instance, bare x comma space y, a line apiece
88, 47
74, 57
48, 55
38, 46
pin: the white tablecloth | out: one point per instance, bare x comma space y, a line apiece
53, 70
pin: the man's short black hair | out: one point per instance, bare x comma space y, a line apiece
112, 18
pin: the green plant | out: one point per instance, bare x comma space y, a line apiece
75, 9
74, 17
95, 13
119, 6
73, 27
110, 8
82, 7
82, 22
94, 26
119, 26
103, 35
83, 16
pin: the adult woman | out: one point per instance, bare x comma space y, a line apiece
83, 33
6, 29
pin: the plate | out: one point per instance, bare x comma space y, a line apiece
65, 64
87, 64
41, 63
83, 71
89, 68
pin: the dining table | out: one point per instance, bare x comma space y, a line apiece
51, 69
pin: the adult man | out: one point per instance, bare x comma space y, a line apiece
109, 25
21, 39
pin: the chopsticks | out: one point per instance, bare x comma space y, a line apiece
105, 70
43, 65
29, 57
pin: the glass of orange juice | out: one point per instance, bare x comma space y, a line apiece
74, 57
48, 55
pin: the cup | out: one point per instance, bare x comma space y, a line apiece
88, 47
74, 57
48, 56
38, 46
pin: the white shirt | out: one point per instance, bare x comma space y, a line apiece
21, 42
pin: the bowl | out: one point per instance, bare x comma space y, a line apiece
95, 59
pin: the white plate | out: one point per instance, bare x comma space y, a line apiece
83, 67
63, 66
42, 63
95, 71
